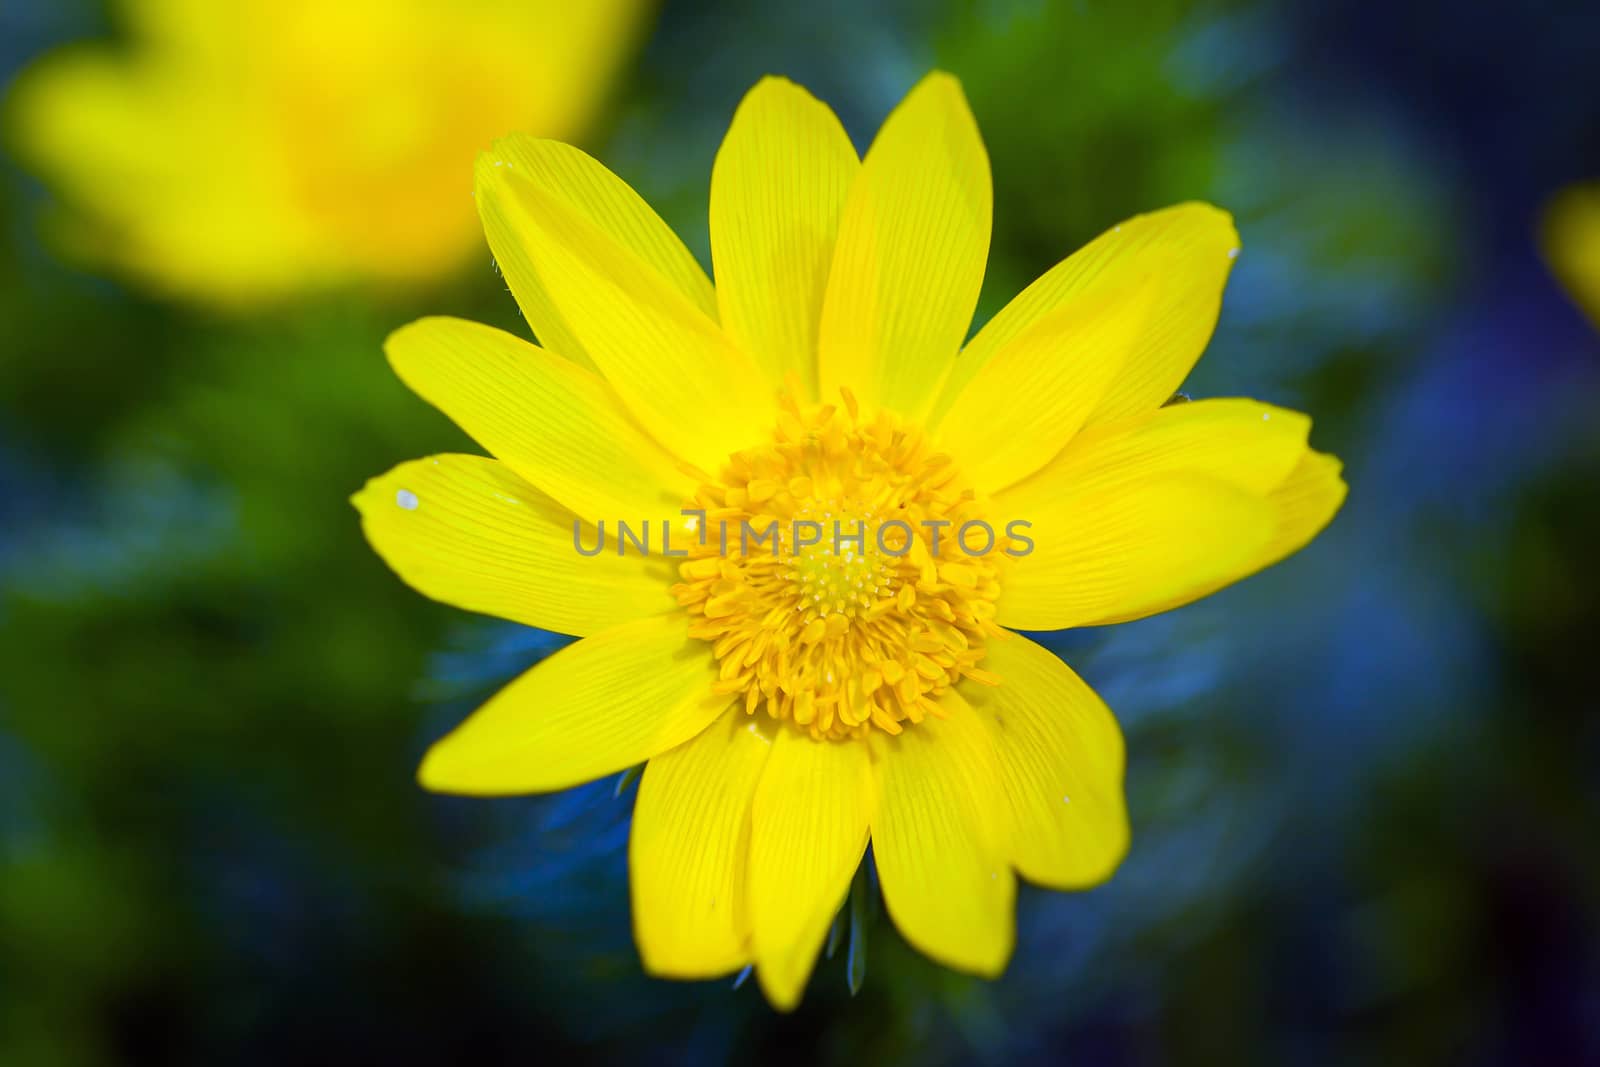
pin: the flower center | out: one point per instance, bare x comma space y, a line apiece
840, 578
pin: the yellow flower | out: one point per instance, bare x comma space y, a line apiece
244, 150
794, 703
1572, 244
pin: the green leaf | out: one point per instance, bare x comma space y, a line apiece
627, 778
856, 962
835, 932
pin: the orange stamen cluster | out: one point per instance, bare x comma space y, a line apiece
867, 626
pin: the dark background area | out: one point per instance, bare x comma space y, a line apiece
1363, 784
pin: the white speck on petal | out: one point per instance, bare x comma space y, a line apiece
1233, 253
407, 499
1265, 415
1066, 800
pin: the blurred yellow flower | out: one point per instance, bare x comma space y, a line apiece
237, 151
1571, 237
798, 697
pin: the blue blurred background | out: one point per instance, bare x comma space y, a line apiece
1363, 784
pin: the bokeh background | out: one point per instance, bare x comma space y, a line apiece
1365, 785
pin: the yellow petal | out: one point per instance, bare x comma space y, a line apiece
1144, 514
939, 841
1191, 249
1305, 503
1570, 236
689, 848
777, 190
911, 253
594, 708
248, 151
1242, 442
467, 531
556, 424
1060, 759
1033, 395
662, 351
587, 188
807, 836
1126, 551
138, 205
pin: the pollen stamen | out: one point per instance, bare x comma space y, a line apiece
831, 608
